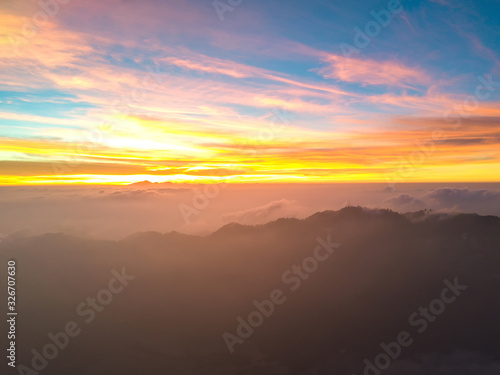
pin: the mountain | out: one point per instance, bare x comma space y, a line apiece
143, 183
376, 292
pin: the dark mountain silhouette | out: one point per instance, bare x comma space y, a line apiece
188, 291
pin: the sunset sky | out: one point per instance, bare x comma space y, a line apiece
121, 91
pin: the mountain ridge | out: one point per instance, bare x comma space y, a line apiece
318, 218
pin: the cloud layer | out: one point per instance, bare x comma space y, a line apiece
116, 212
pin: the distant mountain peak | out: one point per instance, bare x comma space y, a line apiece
143, 183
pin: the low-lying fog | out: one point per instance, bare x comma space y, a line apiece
114, 212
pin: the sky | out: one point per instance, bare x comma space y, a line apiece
122, 91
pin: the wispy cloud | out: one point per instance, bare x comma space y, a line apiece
373, 72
